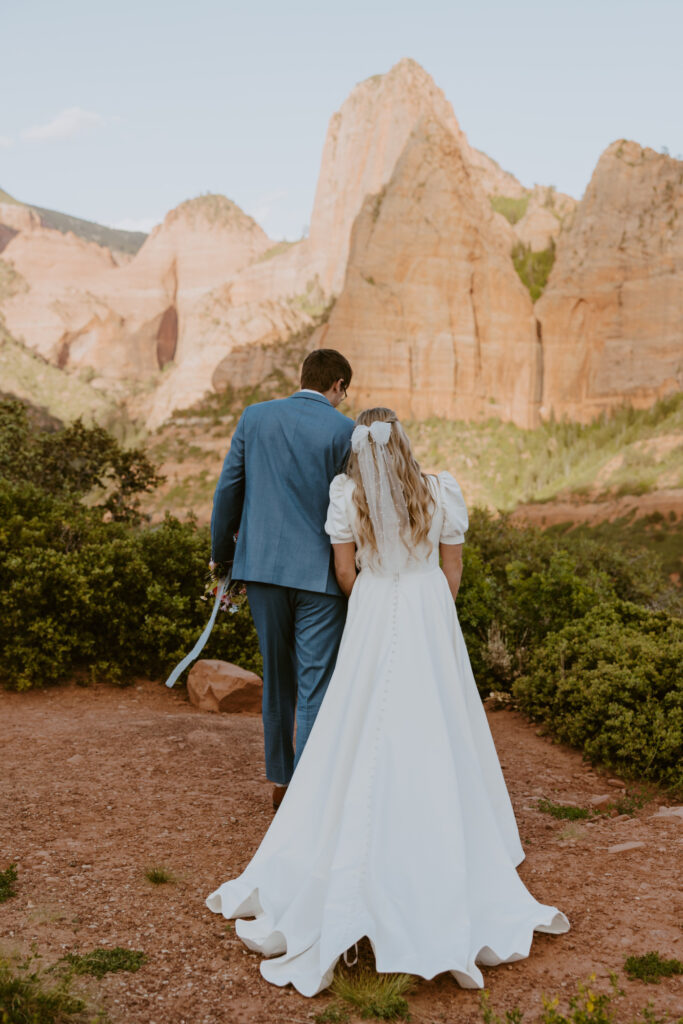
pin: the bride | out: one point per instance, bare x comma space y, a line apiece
397, 824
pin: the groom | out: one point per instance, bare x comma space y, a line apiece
274, 490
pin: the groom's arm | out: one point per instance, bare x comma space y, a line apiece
228, 499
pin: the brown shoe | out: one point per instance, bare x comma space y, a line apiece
278, 796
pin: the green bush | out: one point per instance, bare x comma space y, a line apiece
533, 267
99, 962
519, 585
79, 461
87, 589
27, 997
513, 208
610, 684
77, 593
651, 967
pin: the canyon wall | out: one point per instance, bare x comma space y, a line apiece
433, 317
612, 314
412, 235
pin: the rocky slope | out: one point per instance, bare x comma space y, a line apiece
612, 314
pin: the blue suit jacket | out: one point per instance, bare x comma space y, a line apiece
274, 489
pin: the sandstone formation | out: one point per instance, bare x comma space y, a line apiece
45, 280
547, 214
404, 237
364, 140
214, 685
433, 316
612, 314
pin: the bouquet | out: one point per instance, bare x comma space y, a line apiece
234, 595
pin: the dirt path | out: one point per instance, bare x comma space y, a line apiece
99, 784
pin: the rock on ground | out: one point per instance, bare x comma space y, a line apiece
220, 686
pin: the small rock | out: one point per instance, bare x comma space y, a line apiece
615, 782
602, 800
76, 759
670, 812
219, 686
623, 847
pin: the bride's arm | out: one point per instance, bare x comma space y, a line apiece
345, 566
451, 563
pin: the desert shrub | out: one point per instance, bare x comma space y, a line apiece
532, 267
520, 585
84, 586
84, 462
651, 967
609, 683
99, 962
107, 599
7, 879
513, 208
27, 997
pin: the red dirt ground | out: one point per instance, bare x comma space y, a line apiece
98, 784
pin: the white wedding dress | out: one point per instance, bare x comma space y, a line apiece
397, 824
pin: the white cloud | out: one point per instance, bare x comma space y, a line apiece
264, 206
67, 124
5, 142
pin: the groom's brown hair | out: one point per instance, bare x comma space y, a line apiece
323, 367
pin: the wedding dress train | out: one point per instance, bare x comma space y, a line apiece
397, 824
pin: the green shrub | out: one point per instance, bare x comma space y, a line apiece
610, 684
513, 208
84, 586
519, 585
107, 598
99, 962
83, 462
26, 998
7, 879
651, 967
533, 267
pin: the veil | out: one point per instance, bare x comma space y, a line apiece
383, 491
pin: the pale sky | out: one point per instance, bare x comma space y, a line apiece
118, 111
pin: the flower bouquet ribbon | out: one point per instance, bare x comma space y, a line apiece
221, 588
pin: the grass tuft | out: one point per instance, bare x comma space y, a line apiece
105, 961
159, 876
7, 879
26, 999
374, 995
650, 967
563, 811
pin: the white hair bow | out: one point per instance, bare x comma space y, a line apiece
379, 431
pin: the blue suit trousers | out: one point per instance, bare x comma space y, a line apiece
299, 633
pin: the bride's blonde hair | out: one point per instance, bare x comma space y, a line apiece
419, 497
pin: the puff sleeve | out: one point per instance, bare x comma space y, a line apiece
337, 524
455, 519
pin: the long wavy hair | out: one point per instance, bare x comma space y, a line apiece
419, 497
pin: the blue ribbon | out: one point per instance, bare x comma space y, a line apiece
199, 646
